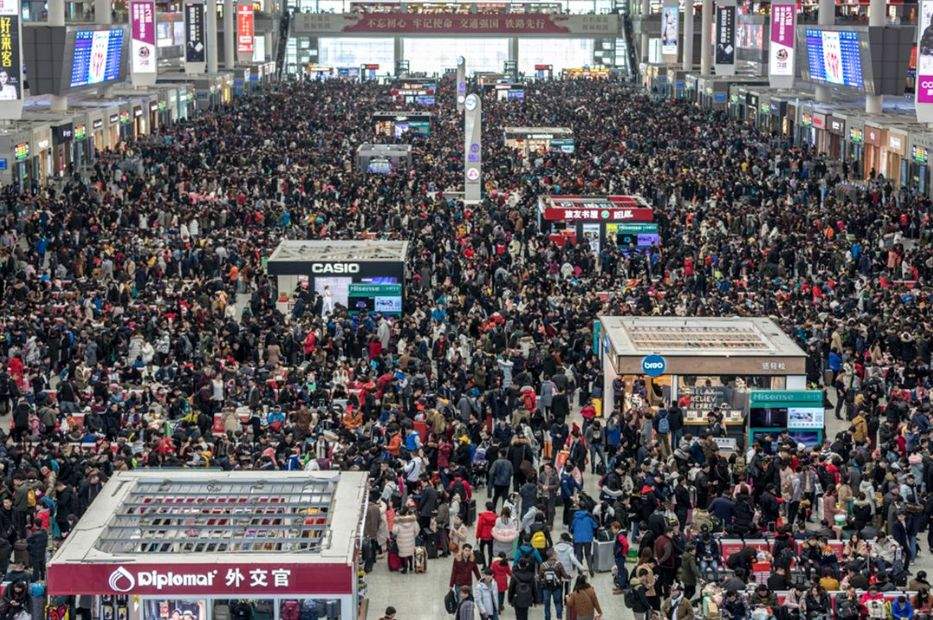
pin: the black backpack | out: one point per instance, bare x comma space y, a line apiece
628, 597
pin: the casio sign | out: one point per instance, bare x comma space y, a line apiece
335, 268
653, 365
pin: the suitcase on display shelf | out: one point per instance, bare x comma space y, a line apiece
421, 560
603, 558
470, 517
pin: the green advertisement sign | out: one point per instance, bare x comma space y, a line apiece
762, 399
373, 297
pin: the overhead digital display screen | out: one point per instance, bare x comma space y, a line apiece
97, 58
834, 57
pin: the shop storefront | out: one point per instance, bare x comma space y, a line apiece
751, 105
894, 157
276, 546
836, 130
806, 135
703, 364
624, 222
115, 129
139, 121
42, 160
855, 150
539, 139
383, 158
875, 140
789, 121
80, 154
15, 159
692, 88
821, 137
62, 155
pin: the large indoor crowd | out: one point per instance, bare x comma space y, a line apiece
139, 329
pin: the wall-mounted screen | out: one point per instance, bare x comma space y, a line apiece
97, 57
835, 57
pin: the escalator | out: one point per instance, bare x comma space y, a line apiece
284, 24
629, 36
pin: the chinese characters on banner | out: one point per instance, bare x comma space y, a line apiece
245, 29
194, 32
725, 37
11, 71
781, 54
924, 89
142, 23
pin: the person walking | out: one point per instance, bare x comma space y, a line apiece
485, 521
582, 602
583, 528
551, 578
406, 531
463, 569
522, 590
466, 609
500, 477
486, 596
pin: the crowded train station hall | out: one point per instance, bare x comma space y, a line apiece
389, 310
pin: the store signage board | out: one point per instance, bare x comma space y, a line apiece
924, 85
781, 52
200, 579
595, 212
11, 66
444, 23
143, 57
725, 37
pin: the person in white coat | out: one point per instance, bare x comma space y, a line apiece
486, 596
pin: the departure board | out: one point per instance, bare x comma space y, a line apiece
834, 57
98, 57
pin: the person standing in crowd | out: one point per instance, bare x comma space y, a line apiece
582, 601
406, 531
464, 569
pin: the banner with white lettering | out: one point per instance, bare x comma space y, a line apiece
725, 37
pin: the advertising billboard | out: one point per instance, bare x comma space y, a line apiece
781, 54
245, 30
11, 66
143, 59
450, 22
724, 57
670, 26
194, 32
924, 86
472, 149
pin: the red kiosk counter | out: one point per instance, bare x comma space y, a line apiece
624, 221
201, 543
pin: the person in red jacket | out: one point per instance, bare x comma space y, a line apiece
464, 568
485, 521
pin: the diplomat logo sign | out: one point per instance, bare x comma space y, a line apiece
122, 580
653, 365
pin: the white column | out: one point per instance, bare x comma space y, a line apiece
210, 10
706, 46
513, 49
398, 47
58, 104
56, 12
229, 35
103, 12
687, 55
825, 17
874, 103
645, 11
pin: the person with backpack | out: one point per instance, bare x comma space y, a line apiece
636, 596
551, 577
539, 535
620, 549
662, 427
525, 550
522, 591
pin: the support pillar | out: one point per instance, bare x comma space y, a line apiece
826, 17
875, 103
56, 10
687, 55
229, 35
210, 11
706, 46
398, 44
645, 11
103, 12
513, 49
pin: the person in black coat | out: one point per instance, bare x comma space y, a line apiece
428, 503
522, 590
36, 545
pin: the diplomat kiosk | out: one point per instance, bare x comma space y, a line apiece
360, 275
210, 543
701, 363
383, 158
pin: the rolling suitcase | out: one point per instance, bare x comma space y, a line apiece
603, 558
421, 560
470, 516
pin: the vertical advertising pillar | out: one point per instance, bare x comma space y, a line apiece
725, 37
245, 31
924, 88
472, 149
195, 49
781, 52
670, 30
143, 51
11, 60
461, 83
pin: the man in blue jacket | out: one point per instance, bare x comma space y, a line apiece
583, 529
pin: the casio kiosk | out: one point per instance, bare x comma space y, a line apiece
361, 275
